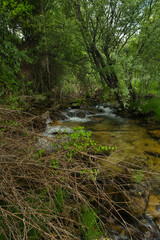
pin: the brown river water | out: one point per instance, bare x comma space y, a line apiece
135, 140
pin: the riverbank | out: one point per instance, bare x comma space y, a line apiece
64, 192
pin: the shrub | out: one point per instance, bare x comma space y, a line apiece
152, 105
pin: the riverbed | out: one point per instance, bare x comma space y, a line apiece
135, 141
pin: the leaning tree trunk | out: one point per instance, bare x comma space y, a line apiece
108, 77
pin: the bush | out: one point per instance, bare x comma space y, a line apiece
152, 105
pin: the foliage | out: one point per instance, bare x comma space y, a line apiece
80, 141
90, 227
92, 173
138, 176
60, 197
76, 47
151, 105
10, 54
105, 34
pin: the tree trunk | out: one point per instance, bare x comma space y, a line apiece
107, 77
110, 78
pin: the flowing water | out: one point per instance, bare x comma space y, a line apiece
134, 139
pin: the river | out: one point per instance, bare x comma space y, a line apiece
136, 142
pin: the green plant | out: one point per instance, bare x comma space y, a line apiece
80, 141
54, 163
40, 152
90, 226
10, 123
104, 149
2, 129
148, 106
92, 173
60, 196
33, 234
152, 105
77, 141
138, 176
81, 101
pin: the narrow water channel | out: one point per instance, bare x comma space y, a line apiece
135, 140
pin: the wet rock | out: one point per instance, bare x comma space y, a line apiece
93, 111
54, 129
75, 105
76, 113
153, 206
44, 144
55, 123
81, 114
157, 222
148, 235
148, 227
57, 115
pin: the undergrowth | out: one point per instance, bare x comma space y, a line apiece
148, 106
152, 105
63, 193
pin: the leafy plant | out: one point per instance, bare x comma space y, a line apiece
10, 123
138, 176
79, 141
54, 163
152, 105
92, 173
40, 152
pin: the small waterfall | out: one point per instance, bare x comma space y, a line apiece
73, 117
106, 111
88, 115
77, 115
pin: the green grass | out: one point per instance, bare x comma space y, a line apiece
90, 227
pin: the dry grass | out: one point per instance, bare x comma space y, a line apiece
43, 195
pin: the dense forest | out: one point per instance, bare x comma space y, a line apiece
97, 61
77, 47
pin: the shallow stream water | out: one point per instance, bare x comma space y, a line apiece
134, 140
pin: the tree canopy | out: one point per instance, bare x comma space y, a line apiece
92, 44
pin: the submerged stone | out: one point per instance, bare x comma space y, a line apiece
153, 206
155, 133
